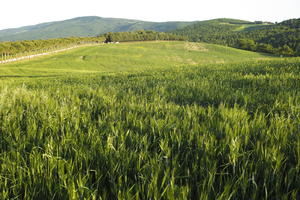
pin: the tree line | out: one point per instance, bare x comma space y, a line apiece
141, 36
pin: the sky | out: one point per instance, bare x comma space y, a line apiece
17, 13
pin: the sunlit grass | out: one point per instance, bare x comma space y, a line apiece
135, 56
126, 122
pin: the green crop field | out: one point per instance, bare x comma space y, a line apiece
129, 57
150, 120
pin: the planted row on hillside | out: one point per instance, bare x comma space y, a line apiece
11, 49
141, 36
8, 49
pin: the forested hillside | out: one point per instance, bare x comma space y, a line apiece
281, 38
85, 27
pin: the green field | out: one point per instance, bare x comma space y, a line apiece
129, 57
150, 120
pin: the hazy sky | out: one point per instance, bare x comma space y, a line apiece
16, 13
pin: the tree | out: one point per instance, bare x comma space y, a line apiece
266, 48
286, 50
297, 50
247, 44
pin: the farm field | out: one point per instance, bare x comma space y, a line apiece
150, 120
128, 57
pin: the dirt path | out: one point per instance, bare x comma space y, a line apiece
42, 54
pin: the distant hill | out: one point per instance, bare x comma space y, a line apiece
281, 38
85, 27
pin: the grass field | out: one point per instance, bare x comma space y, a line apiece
155, 120
128, 57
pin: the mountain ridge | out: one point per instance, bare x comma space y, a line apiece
84, 27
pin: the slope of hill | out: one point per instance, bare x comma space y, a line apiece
84, 27
130, 57
281, 38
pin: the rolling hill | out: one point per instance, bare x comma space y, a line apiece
136, 56
84, 27
281, 38
220, 31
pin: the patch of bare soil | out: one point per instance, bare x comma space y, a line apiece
193, 46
